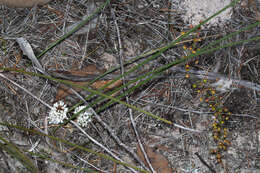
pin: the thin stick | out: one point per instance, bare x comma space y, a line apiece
127, 98
108, 128
99, 144
28, 92
205, 163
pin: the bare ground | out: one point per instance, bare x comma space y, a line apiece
172, 96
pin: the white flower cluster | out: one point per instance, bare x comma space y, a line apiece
85, 117
58, 114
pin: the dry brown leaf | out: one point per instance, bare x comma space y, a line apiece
101, 83
23, 3
158, 161
64, 90
88, 70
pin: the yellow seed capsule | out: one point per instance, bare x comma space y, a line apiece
222, 122
213, 92
227, 142
193, 51
225, 133
225, 129
190, 48
224, 147
218, 156
227, 118
184, 47
182, 33
201, 99
213, 108
194, 85
187, 66
197, 39
204, 80
198, 91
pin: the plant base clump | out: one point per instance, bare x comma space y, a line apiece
208, 94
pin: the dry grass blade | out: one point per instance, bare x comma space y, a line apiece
19, 155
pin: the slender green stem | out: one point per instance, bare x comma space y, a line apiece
16, 153
156, 54
95, 92
158, 71
42, 156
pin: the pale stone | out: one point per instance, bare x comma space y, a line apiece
199, 10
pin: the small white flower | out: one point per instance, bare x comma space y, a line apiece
58, 113
85, 117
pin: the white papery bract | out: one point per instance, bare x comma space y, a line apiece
222, 85
85, 117
58, 113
